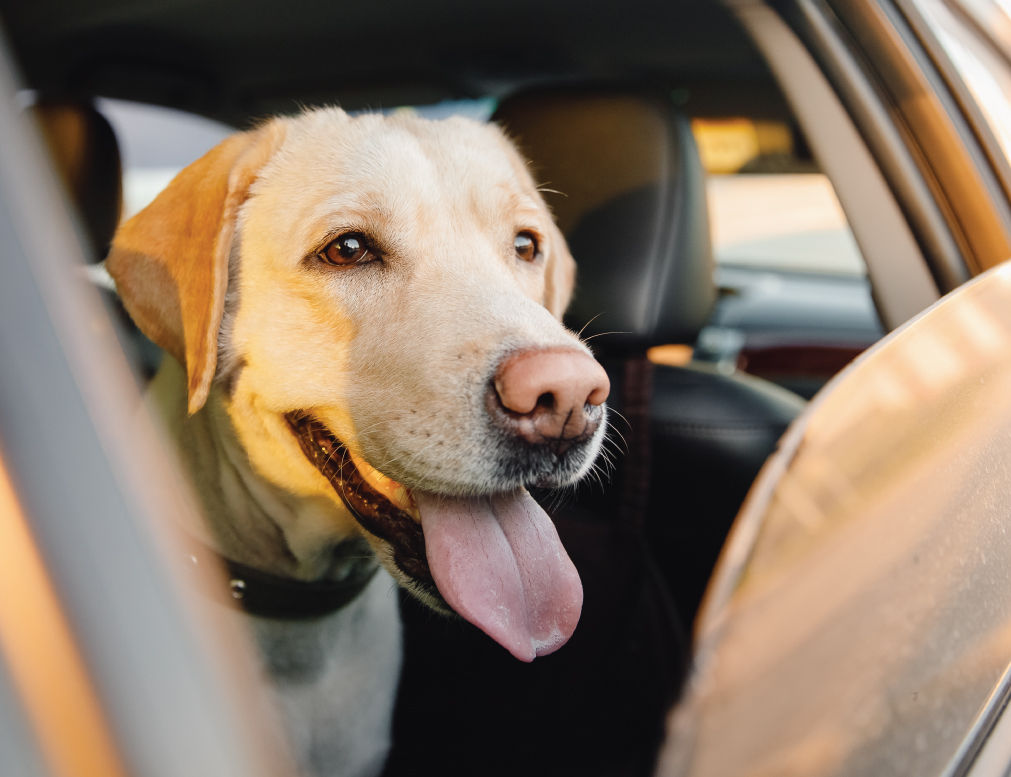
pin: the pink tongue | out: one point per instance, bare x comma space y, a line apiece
499, 563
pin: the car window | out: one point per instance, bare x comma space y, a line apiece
156, 142
770, 207
787, 262
795, 301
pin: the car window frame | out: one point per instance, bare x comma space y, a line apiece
960, 92
880, 65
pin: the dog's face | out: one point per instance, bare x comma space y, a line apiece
378, 301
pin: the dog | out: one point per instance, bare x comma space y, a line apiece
367, 371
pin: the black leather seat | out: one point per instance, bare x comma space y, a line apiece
622, 174
85, 155
636, 219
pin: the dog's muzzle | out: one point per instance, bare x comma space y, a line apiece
494, 559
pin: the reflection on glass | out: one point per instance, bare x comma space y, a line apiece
984, 72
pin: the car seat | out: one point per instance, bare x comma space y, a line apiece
85, 154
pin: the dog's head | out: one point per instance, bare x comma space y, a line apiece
375, 301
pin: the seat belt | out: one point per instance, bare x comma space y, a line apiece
637, 394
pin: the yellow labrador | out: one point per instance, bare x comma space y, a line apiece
363, 314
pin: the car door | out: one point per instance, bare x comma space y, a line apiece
857, 622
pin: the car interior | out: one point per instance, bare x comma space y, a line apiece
709, 361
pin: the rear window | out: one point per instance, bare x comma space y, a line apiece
769, 205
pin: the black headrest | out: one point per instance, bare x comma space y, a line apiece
622, 173
86, 155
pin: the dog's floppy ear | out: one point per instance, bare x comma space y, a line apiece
170, 261
559, 275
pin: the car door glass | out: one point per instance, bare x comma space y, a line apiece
795, 301
769, 205
156, 143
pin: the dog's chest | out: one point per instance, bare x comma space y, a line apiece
335, 680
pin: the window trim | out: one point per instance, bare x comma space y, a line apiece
916, 130
959, 90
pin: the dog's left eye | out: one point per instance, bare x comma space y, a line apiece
348, 249
526, 246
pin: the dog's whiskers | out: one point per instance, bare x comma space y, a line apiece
611, 411
582, 329
557, 498
610, 454
623, 446
545, 189
602, 334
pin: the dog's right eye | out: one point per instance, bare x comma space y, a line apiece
526, 246
348, 249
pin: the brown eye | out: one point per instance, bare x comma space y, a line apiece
526, 246
348, 249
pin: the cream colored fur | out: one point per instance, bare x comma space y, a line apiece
394, 357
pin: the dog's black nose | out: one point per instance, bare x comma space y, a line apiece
549, 396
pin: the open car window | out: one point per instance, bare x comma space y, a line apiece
157, 142
796, 303
770, 206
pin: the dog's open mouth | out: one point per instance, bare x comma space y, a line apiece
375, 511
496, 559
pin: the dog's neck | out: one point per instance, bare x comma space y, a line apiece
247, 518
